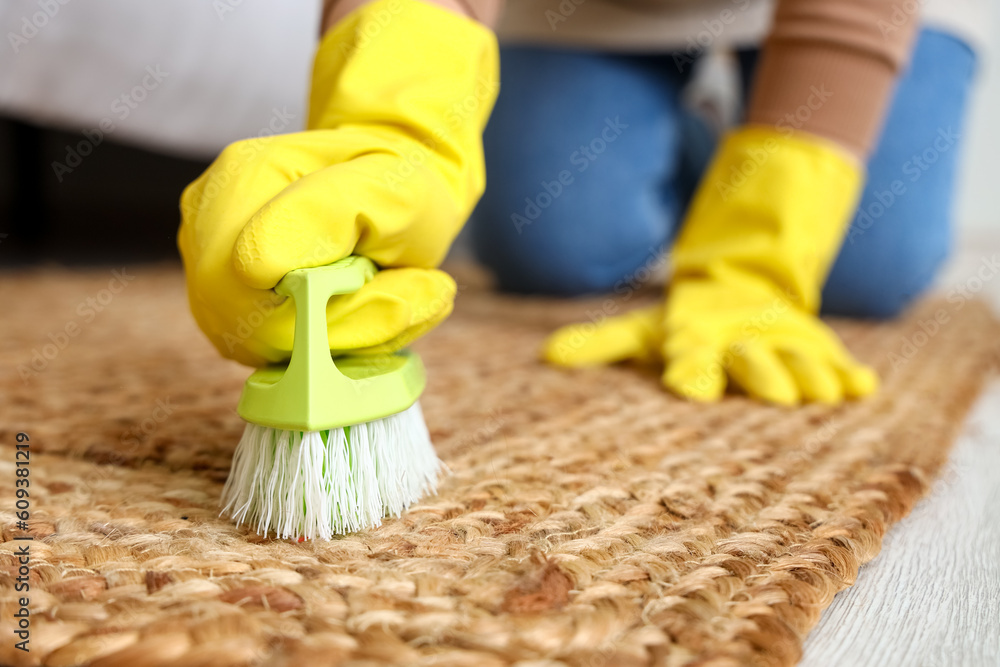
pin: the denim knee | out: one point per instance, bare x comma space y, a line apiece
550, 242
902, 231
581, 159
884, 291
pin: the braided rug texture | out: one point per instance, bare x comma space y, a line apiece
589, 519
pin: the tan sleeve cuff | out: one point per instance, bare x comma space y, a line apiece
829, 66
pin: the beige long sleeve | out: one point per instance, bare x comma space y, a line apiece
828, 68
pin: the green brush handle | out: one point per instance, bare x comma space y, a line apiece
314, 392
311, 364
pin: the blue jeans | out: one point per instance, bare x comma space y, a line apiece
591, 160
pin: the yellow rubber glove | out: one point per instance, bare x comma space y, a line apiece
749, 266
390, 167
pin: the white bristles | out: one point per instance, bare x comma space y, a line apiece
296, 485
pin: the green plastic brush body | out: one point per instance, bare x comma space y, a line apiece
314, 392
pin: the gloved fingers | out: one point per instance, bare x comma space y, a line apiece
682, 339
399, 342
857, 379
311, 222
248, 173
394, 308
363, 207
698, 374
816, 378
761, 373
635, 335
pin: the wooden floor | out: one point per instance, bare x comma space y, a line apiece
932, 597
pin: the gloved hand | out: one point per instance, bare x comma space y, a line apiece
390, 167
748, 269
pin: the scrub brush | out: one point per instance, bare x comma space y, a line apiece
332, 445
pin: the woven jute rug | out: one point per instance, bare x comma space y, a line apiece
589, 518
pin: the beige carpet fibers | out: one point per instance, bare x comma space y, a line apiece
589, 519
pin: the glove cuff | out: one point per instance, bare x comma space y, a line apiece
773, 208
